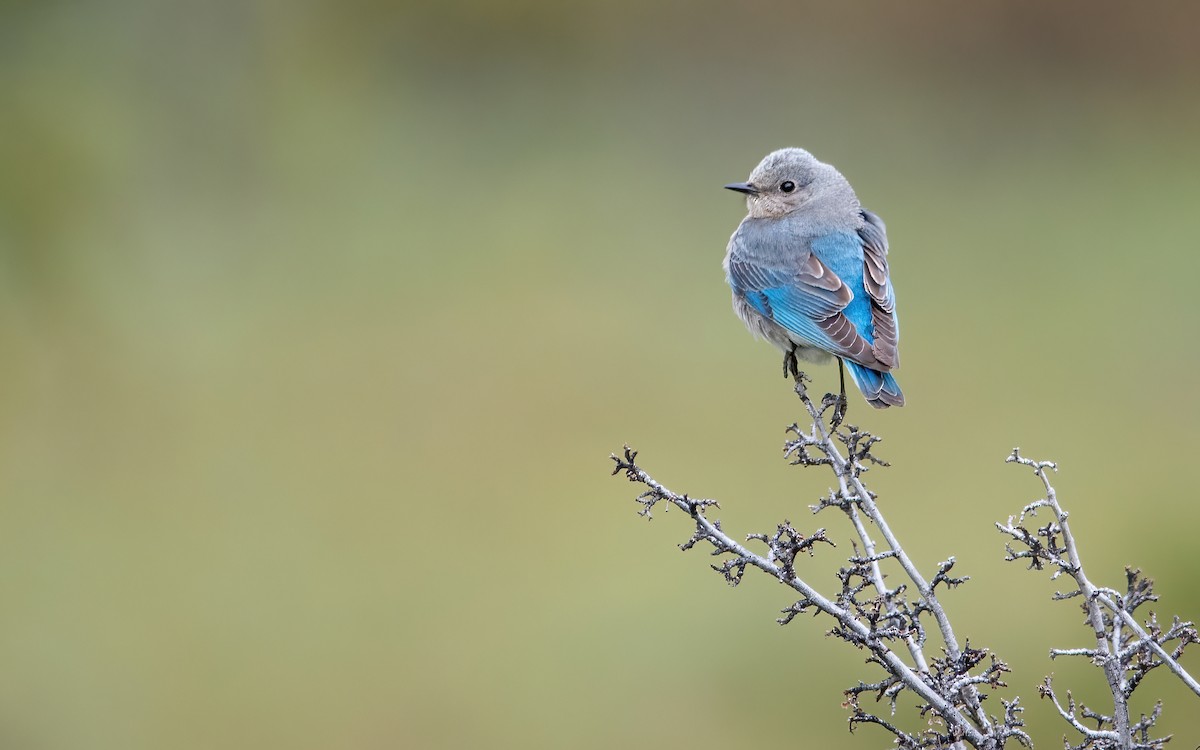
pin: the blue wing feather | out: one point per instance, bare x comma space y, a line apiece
811, 287
843, 253
797, 311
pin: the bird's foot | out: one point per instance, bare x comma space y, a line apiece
791, 365
838, 403
791, 368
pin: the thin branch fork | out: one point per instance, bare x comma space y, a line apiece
710, 531
951, 687
848, 472
946, 686
1122, 643
1107, 597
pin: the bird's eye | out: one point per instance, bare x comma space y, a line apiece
788, 186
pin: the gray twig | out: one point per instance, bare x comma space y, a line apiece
1125, 650
868, 614
891, 624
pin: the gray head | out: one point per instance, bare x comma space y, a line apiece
791, 178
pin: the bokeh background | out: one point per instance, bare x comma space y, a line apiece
320, 320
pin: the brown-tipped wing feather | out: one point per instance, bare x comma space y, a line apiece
879, 289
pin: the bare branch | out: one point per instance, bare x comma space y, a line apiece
1125, 650
867, 612
884, 606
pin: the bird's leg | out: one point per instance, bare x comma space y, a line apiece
839, 408
791, 366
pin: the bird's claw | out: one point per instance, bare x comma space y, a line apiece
838, 403
791, 365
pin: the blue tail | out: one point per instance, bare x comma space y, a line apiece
880, 388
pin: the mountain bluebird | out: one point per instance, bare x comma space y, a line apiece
809, 272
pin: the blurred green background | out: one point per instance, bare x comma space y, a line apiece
319, 321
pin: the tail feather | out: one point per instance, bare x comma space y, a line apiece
880, 388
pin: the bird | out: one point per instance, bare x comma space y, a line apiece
808, 268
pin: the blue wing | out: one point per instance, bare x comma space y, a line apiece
812, 287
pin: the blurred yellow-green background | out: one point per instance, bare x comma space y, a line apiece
319, 321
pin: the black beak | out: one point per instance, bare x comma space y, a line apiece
743, 187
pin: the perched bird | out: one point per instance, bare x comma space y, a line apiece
809, 272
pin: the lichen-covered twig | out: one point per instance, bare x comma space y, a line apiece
890, 622
849, 470
887, 622
1125, 649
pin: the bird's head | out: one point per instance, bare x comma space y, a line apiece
785, 180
